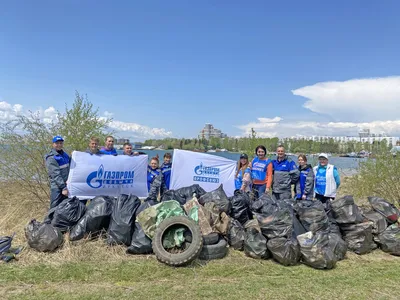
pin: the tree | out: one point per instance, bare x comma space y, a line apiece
25, 140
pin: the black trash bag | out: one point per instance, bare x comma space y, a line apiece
345, 211
240, 203
255, 244
389, 240
5, 243
173, 195
334, 228
358, 237
219, 197
315, 250
236, 235
68, 213
379, 223
386, 209
43, 237
286, 251
141, 243
298, 228
276, 222
265, 200
312, 215
187, 192
122, 220
96, 218
337, 245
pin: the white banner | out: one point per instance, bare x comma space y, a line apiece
107, 175
207, 170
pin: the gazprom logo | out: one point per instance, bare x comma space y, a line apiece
103, 178
206, 174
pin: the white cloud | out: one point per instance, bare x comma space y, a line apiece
10, 112
310, 128
137, 131
364, 99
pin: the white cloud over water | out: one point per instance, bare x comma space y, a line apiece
356, 99
133, 131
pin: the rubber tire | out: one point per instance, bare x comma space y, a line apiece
209, 239
217, 251
178, 259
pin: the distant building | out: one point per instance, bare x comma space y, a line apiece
364, 136
209, 131
121, 141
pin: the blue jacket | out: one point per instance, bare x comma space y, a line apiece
239, 178
151, 174
103, 150
305, 184
320, 179
285, 174
57, 164
166, 171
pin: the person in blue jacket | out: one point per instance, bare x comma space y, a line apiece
243, 174
109, 149
166, 169
305, 185
285, 174
93, 146
152, 171
57, 165
127, 149
327, 179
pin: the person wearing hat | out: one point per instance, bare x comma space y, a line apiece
327, 179
57, 165
243, 173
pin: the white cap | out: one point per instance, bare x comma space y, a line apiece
324, 155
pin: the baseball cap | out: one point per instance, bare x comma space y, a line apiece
244, 155
324, 155
57, 138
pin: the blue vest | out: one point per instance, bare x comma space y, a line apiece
239, 178
103, 150
259, 168
166, 170
62, 159
151, 174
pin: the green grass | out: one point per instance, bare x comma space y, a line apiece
372, 276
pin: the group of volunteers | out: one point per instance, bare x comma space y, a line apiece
261, 174
264, 175
58, 164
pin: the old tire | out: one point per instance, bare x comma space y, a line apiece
189, 254
209, 239
217, 251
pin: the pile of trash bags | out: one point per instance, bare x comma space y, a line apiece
288, 231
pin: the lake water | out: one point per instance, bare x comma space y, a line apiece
347, 165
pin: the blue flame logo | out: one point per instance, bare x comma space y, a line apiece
100, 172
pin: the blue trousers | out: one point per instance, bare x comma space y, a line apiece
260, 188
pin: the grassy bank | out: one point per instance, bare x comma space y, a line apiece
91, 270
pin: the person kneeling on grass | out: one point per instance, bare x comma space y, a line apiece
327, 179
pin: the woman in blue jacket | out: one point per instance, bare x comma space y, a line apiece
243, 174
305, 184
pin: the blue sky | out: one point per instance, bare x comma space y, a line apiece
164, 68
